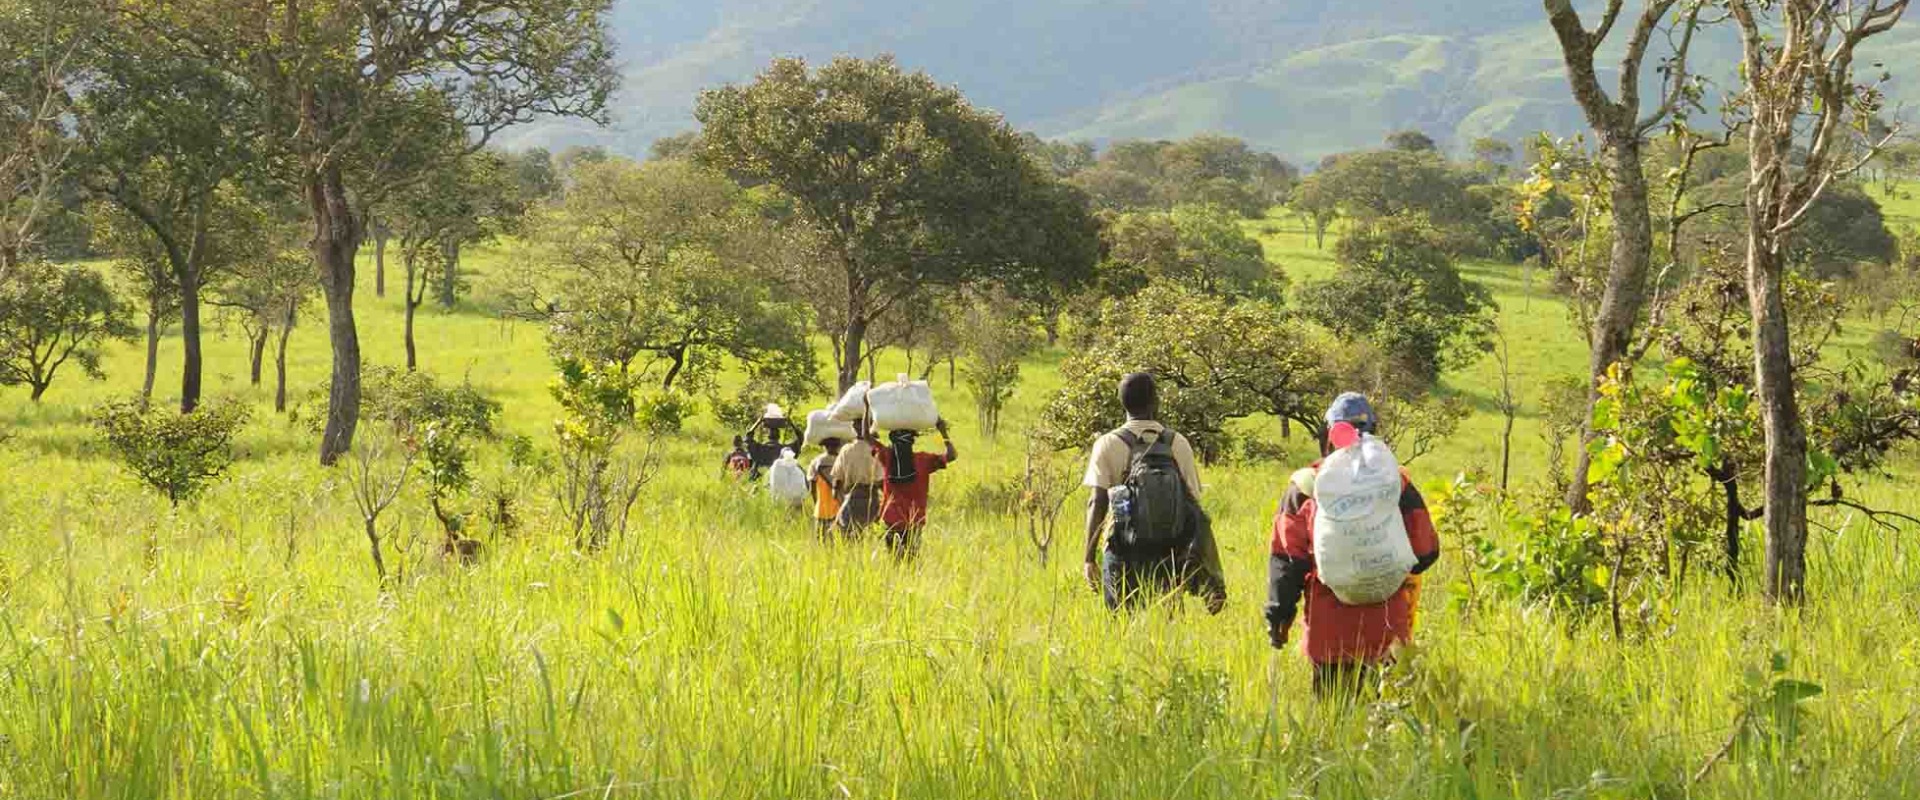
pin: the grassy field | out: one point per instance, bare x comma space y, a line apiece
241, 647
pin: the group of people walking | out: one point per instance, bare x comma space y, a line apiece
853, 485
1349, 572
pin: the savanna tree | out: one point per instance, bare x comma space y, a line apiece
1315, 201
994, 334
169, 140
1215, 361
139, 266
1806, 112
1398, 289
43, 54
430, 218
355, 97
905, 184
52, 316
265, 294
1621, 123
1200, 247
656, 269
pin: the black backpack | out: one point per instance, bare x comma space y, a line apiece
1153, 507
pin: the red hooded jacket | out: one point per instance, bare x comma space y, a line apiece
1337, 633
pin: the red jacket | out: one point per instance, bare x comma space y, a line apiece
1337, 633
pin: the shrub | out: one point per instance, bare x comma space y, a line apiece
178, 455
442, 423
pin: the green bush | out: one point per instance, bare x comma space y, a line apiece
178, 455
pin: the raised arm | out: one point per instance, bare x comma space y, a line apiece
947, 439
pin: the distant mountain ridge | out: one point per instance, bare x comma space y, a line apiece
1301, 79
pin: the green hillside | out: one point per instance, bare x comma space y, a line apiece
1299, 79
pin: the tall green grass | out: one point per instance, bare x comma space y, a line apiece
242, 647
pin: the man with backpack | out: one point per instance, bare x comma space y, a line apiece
1351, 538
1144, 493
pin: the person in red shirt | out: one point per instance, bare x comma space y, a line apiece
903, 495
1343, 642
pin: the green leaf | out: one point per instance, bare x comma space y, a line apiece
1787, 691
1608, 457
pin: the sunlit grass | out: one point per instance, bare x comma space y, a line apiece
242, 648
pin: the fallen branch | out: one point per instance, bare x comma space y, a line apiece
1720, 755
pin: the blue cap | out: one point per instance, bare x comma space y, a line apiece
1353, 407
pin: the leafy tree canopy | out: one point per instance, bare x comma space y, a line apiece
1398, 289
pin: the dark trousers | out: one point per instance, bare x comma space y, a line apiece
904, 540
1345, 681
1129, 581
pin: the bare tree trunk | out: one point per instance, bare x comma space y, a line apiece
413, 353
450, 275
39, 388
334, 244
854, 338
1620, 126
673, 371
373, 542
379, 260
153, 349
190, 366
1786, 473
1626, 291
256, 354
1734, 515
413, 301
280, 366
1800, 86
853, 344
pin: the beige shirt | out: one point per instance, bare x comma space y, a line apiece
1107, 466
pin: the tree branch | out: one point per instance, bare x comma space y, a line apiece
1877, 516
1677, 74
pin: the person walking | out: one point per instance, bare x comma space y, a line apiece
774, 424
904, 493
1143, 500
1345, 642
856, 476
826, 501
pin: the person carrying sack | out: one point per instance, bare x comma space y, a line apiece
774, 424
856, 476
1375, 538
904, 493
1143, 496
